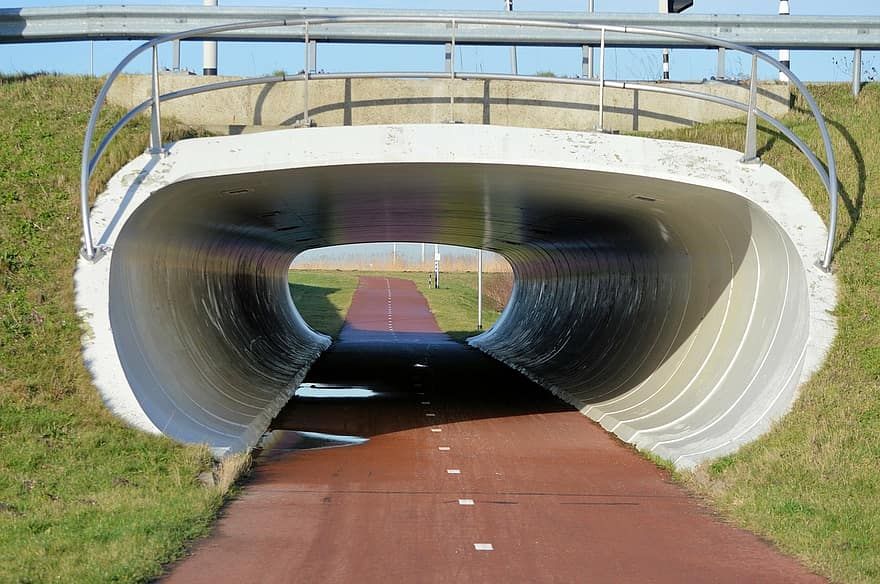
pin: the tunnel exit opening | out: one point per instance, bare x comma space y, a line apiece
466, 299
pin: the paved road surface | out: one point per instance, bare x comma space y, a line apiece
470, 473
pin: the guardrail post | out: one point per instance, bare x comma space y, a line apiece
751, 150
155, 121
601, 126
307, 67
857, 72
452, 77
721, 72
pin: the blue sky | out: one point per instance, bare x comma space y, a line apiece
256, 59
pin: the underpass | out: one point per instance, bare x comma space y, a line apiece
666, 290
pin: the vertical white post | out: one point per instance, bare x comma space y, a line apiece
663, 7
508, 4
307, 67
784, 55
209, 49
601, 125
587, 69
155, 122
751, 150
91, 58
721, 73
394, 255
452, 76
857, 72
175, 55
479, 289
436, 266
423, 254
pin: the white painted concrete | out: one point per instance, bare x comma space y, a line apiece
772, 289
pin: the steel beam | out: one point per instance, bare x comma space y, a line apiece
95, 22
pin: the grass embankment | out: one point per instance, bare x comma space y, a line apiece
812, 485
83, 498
323, 298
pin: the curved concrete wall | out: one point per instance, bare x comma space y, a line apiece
665, 289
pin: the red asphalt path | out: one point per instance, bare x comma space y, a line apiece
471, 473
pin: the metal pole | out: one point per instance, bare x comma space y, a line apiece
663, 8
784, 56
307, 66
436, 266
452, 78
155, 123
313, 56
513, 68
665, 64
423, 254
751, 150
175, 55
601, 80
209, 49
587, 69
857, 72
479, 289
394, 255
92, 59
721, 73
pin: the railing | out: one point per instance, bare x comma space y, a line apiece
90, 160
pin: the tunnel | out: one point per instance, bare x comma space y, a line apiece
666, 290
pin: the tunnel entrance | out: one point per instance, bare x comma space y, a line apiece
664, 290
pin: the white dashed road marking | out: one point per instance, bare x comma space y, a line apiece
436, 429
465, 501
443, 448
483, 547
453, 471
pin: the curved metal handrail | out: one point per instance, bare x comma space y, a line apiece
89, 160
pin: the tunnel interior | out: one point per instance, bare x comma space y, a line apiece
674, 314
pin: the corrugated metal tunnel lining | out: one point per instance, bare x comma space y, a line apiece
674, 313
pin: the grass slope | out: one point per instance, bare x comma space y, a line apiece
83, 498
812, 485
323, 298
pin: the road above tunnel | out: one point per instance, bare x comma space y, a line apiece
470, 473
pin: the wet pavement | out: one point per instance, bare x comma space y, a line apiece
407, 457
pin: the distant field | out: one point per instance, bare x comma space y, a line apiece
323, 298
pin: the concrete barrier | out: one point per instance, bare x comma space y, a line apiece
357, 102
667, 290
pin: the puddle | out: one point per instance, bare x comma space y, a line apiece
277, 443
327, 390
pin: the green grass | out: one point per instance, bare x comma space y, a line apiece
83, 498
812, 485
323, 298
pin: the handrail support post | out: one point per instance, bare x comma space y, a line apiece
857, 72
452, 75
601, 125
307, 66
155, 114
750, 155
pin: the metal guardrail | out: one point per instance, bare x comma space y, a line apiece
90, 160
139, 22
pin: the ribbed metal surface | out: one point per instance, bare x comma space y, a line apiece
676, 315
